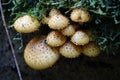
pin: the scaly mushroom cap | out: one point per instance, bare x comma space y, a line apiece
70, 50
26, 24
38, 55
80, 15
55, 39
91, 49
80, 38
58, 22
69, 30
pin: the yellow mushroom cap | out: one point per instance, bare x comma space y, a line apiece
55, 39
38, 55
54, 12
91, 49
26, 24
69, 30
80, 15
70, 50
80, 38
58, 22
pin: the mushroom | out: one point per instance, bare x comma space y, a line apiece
80, 15
38, 55
69, 30
70, 50
91, 49
58, 22
80, 38
26, 24
55, 39
54, 12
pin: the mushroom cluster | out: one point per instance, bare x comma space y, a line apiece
67, 38
67, 35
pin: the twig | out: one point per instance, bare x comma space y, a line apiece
10, 42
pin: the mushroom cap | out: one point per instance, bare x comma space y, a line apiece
38, 55
26, 24
80, 15
80, 38
69, 30
70, 50
58, 22
91, 49
55, 39
54, 12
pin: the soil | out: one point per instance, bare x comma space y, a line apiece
103, 67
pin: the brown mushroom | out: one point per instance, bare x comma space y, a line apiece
69, 30
80, 38
80, 15
54, 12
55, 39
38, 55
70, 50
91, 49
58, 22
26, 24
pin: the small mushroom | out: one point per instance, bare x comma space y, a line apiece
80, 15
91, 49
58, 22
26, 24
38, 55
70, 50
54, 12
69, 30
80, 38
55, 39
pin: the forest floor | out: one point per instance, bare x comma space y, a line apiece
103, 67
